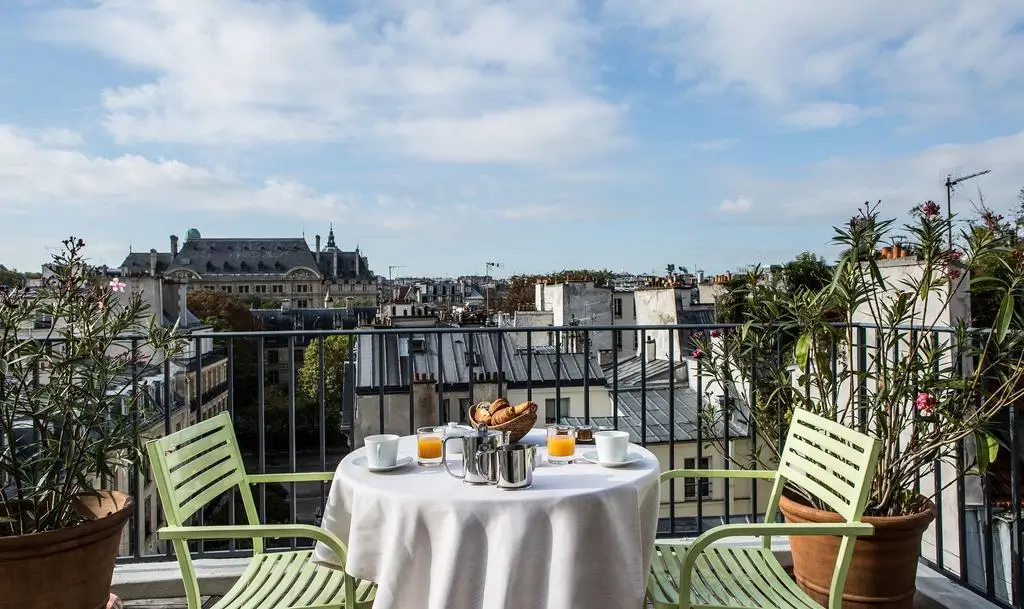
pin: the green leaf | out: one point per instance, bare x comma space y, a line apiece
803, 348
1005, 316
988, 450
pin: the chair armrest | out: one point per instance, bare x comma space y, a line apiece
764, 530
764, 474
246, 531
291, 477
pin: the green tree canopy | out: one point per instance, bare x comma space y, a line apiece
11, 278
336, 353
224, 311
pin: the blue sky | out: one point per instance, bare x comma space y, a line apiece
543, 134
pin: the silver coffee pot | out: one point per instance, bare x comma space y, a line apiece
479, 455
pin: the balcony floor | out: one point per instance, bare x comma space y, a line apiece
179, 603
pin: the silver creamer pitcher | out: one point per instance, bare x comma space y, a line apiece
515, 465
479, 455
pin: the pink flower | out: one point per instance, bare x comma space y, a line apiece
716, 333
116, 285
698, 353
952, 274
930, 209
926, 403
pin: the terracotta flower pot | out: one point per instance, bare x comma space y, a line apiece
883, 572
68, 568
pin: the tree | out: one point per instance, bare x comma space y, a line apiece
11, 278
336, 353
336, 350
807, 271
224, 311
520, 295
227, 313
262, 302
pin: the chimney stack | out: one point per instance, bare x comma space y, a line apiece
649, 350
318, 249
152, 263
424, 399
174, 245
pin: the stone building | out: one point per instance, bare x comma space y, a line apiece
284, 270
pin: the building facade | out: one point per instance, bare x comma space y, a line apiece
281, 271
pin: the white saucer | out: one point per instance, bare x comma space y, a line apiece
591, 456
360, 461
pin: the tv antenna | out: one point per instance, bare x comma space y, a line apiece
950, 184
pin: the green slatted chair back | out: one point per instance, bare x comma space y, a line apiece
192, 467
834, 463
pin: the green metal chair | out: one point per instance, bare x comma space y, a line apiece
195, 466
830, 461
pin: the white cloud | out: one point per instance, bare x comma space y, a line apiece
920, 57
452, 80
837, 186
741, 205
36, 173
825, 115
719, 145
60, 137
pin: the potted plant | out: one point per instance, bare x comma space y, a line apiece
886, 347
73, 351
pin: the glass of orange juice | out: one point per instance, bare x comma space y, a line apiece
428, 445
561, 443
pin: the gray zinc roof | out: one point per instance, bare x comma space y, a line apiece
494, 352
633, 403
137, 263
631, 370
244, 256
351, 265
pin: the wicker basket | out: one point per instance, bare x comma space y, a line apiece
517, 427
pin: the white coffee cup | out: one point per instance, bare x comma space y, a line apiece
611, 446
381, 450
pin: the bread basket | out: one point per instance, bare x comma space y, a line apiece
517, 427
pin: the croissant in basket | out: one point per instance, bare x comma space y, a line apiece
502, 416
498, 405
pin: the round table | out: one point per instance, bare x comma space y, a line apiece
580, 537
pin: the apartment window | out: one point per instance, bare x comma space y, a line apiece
300, 355
243, 289
618, 338
553, 414
274, 377
301, 304
303, 288
260, 289
273, 356
225, 288
618, 308
690, 484
209, 287
43, 322
277, 289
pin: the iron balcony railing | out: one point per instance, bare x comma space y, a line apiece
366, 381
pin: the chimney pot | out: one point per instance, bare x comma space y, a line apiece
174, 245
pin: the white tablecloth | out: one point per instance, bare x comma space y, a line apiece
580, 537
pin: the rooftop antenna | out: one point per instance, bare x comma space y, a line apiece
950, 184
